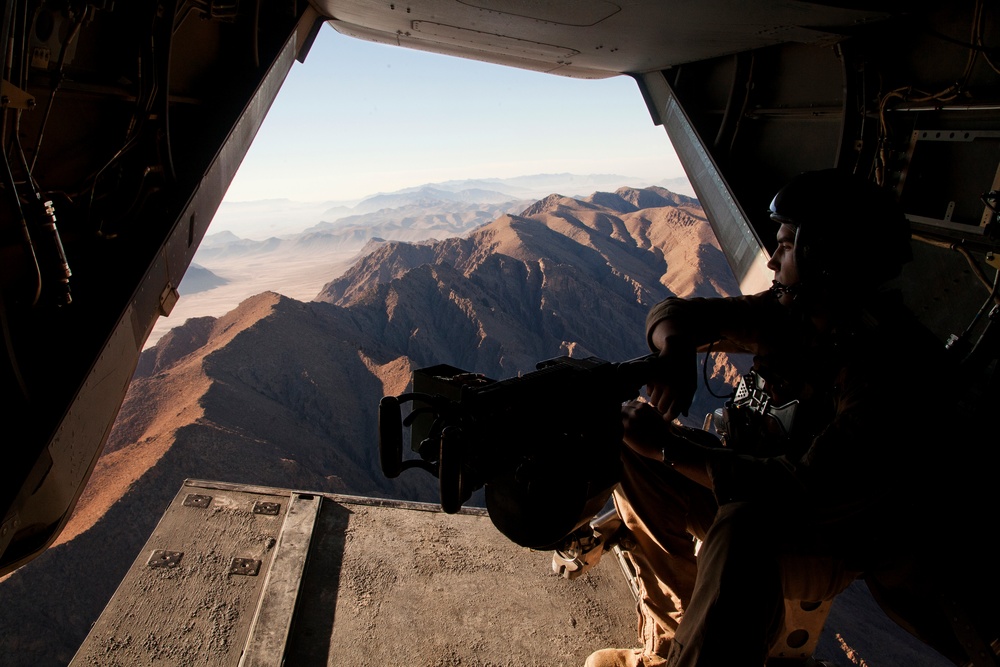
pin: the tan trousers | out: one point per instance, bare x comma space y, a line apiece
731, 595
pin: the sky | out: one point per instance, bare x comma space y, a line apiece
359, 118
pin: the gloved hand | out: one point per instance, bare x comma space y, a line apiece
674, 371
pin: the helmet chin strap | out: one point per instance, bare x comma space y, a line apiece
779, 290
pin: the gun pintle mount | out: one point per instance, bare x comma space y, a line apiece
545, 445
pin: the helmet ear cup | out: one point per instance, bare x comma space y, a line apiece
805, 255
814, 255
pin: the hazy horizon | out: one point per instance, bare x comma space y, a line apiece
258, 219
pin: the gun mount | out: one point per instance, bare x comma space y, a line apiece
545, 446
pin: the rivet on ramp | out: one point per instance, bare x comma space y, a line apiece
197, 500
248, 567
271, 509
163, 558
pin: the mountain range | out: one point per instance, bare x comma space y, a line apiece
258, 219
252, 246
284, 392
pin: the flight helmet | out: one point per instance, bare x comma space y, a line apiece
850, 233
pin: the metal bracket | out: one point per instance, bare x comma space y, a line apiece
168, 299
13, 97
246, 566
163, 558
270, 509
197, 500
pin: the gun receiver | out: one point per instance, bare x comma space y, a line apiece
544, 445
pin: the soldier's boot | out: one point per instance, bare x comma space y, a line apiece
623, 657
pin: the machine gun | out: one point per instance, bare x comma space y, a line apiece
545, 446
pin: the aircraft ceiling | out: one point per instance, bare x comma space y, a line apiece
593, 38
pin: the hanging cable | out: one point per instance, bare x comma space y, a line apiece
917, 96
957, 247
56, 264
705, 378
57, 81
147, 89
11, 187
981, 48
8, 342
989, 304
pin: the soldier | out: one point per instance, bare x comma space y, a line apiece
793, 506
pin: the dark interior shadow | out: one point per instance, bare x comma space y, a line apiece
309, 642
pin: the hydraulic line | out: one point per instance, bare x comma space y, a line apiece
10, 185
57, 265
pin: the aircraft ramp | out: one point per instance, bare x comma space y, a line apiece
246, 575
